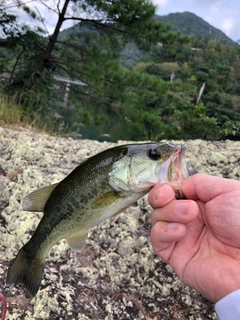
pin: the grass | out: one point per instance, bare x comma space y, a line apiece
13, 115
10, 113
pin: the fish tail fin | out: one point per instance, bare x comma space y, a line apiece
25, 271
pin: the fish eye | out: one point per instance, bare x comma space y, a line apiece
154, 154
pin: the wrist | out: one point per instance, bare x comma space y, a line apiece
226, 285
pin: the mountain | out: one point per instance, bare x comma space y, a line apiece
189, 23
186, 23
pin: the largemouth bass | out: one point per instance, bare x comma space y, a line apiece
99, 188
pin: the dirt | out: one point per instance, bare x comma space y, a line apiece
117, 276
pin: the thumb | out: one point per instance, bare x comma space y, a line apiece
205, 187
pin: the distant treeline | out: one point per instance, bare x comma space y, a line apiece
138, 79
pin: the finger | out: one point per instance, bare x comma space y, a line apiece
164, 236
161, 195
205, 187
180, 211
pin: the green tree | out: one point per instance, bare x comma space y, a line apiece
7, 21
112, 25
195, 124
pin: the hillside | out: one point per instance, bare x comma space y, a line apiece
186, 23
189, 23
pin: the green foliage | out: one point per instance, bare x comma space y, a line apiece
195, 124
217, 66
130, 55
7, 21
141, 103
89, 53
26, 49
155, 98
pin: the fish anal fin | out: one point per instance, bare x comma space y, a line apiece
36, 200
77, 242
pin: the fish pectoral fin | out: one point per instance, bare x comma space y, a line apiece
106, 199
77, 242
36, 200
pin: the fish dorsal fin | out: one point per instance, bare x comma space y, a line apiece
77, 242
36, 200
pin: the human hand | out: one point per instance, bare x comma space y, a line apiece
200, 236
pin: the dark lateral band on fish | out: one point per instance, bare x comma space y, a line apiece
99, 188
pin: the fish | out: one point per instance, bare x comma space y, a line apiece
100, 187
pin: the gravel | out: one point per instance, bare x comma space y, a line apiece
117, 276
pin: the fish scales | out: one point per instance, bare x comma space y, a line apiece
100, 187
71, 200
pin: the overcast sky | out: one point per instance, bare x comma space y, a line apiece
222, 14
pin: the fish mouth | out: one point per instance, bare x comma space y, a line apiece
177, 170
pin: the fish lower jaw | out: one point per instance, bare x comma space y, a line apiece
177, 187
176, 173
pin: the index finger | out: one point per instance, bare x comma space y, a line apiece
205, 187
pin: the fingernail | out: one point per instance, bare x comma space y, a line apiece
172, 225
182, 207
161, 191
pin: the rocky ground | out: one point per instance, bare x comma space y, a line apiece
117, 276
